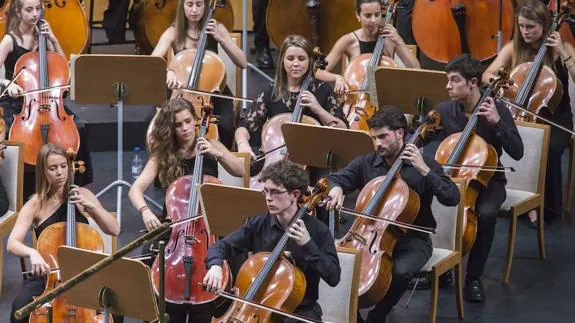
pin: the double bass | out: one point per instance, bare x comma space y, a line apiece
43, 118
153, 17
469, 149
69, 233
189, 241
445, 29
269, 278
358, 107
389, 198
535, 85
273, 142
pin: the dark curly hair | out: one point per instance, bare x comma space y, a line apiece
390, 117
467, 66
288, 174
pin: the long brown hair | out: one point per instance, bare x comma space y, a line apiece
533, 10
280, 90
13, 19
181, 23
43, 187
164, 144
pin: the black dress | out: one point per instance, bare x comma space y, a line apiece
13, 106
222, 107
35, 286
365, 47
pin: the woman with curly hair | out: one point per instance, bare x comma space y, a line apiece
173, 147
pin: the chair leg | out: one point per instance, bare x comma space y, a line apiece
434, 296
541, 232
569, 191
510, 247
1, 263
459, 290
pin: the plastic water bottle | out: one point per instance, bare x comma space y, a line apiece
136, 163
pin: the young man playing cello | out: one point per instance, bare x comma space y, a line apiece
496, 126
388, 129
311, 244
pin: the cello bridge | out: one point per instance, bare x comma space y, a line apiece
44, 108
191, 239
352, 235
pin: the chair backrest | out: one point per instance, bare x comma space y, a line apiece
339, 303
12, 173
233, 72
530, 171
449, 219
110, 242
229, 179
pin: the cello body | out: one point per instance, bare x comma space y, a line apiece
43, 118
49, 240
460, 26
153, 17
376, 240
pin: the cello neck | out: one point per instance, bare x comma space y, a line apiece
43, 57
71, 218
275, 255
201, 49
197, 176
298, 110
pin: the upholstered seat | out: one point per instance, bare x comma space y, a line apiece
229, 179
526, 186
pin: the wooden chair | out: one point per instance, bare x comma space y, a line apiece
526, 187
339, 303
11, 175
447, 250
229, 179
110, 242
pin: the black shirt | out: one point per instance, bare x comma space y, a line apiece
317, 258
264, 108
367, 167
502, 136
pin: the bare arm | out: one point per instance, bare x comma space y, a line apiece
503, 59
234, 165
137, 190
234, 52
17, 237
96, 211
165, 42
6, 48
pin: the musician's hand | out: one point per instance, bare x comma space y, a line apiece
411, 153
389, 32
204, 146
244, 147
309, 100
14, 90
213, 279
212, 29
172, 80
554, 40
336, 198
39, 266
340, 85
80, 199
151, 221
489, 111
46, 30
299, 233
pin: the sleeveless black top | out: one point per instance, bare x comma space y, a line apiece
211, 44
365, 46
13, 56
563, 114
209, 167
60, 215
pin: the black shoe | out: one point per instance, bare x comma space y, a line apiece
473, 291
264, 60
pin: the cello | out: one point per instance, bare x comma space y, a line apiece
273, 143
43, 118
467, 148
270, 279
460, 26
535, 85
153, 17
69, 233
358, 107
385, 197
189, 242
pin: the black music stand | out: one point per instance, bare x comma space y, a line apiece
118, 79
123, 288
325, 147
396, 86
240, 203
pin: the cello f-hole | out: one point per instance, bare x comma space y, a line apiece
180, 232
60, 4
372, 248
160, 4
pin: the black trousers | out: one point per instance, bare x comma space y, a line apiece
404, 29
558, 141
308, 309
261, 37
411, 252
487, 207
114, 21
